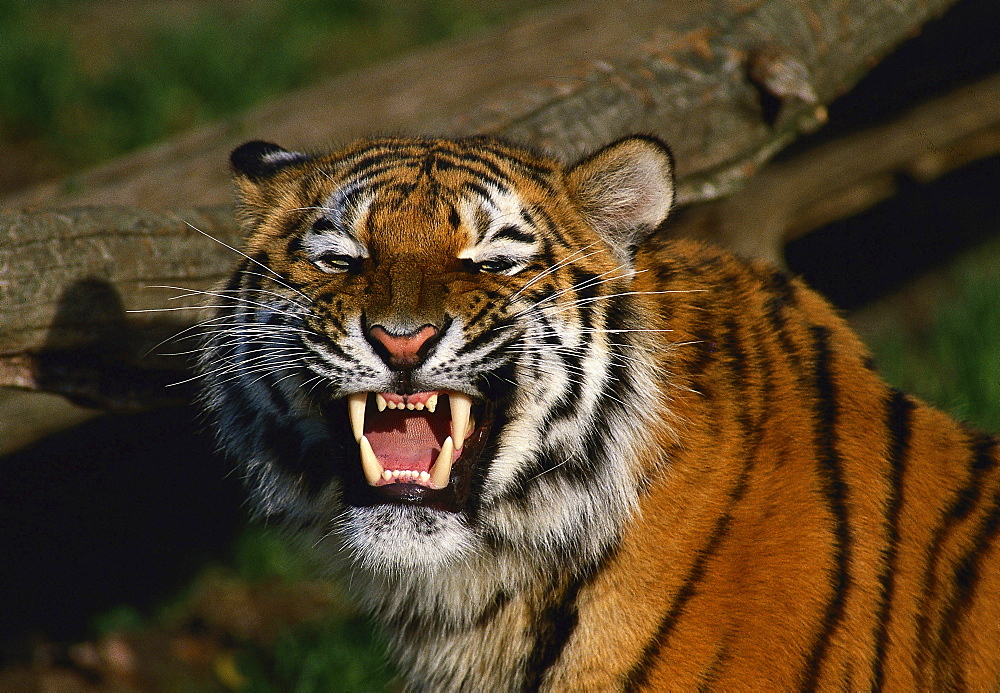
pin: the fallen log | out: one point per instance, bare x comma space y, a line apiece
728, 83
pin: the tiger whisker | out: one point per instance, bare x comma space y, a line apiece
241, 301
274, 275
594, 281
550, 270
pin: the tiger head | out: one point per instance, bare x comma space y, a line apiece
434, 349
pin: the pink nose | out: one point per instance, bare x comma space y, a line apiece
404, 351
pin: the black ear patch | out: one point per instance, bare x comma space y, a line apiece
258, 160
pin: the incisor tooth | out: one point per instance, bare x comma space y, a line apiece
369, 463
461, 407
432, 403
380, 402
441, 471
356, 412
411, 406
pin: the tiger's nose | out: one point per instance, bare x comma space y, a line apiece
402, 351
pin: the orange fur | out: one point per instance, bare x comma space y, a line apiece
765, 512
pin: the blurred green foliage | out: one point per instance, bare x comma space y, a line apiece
325, 655
210, 62
955, 362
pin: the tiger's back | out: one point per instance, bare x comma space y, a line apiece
627, 464
849, 539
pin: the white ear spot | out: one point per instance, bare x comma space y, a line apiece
625, 190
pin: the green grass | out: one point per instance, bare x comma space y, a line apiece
955, 363
328, 655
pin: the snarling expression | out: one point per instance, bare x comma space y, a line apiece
420, 340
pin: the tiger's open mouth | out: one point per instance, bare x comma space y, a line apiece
418, 448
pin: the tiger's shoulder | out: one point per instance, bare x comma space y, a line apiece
833, 530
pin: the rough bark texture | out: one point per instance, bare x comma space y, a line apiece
727, 82
850, 174
74, 285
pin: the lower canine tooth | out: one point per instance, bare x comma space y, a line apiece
356, 413
369, 463
441, 471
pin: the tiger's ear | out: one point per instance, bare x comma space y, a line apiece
625, 191
258, 161
254, 164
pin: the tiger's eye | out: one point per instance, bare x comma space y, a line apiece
333, 263
489, 266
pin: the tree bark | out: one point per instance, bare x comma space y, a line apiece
727, 82
848, 175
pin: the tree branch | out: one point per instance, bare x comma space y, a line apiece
848, 175
727, 82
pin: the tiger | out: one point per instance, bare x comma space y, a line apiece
548, 447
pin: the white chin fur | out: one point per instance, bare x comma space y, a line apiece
388, 538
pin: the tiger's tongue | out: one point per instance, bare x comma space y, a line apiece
407, 440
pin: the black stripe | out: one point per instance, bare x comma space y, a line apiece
514, 154
500, 600
722, 656
835, 490
233, 287
899, 424
966, 572
638, 676
360, 165
379, 177
554, 229
514, 234
555, 623
981, 460
478, 189
540, 176
782, 299
477, 166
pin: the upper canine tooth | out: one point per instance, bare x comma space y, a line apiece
441, 471
379, 401
356, 412
461, 408
369, 463
432, 403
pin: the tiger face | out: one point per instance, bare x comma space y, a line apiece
432, 351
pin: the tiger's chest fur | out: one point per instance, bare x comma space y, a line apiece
551, 454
